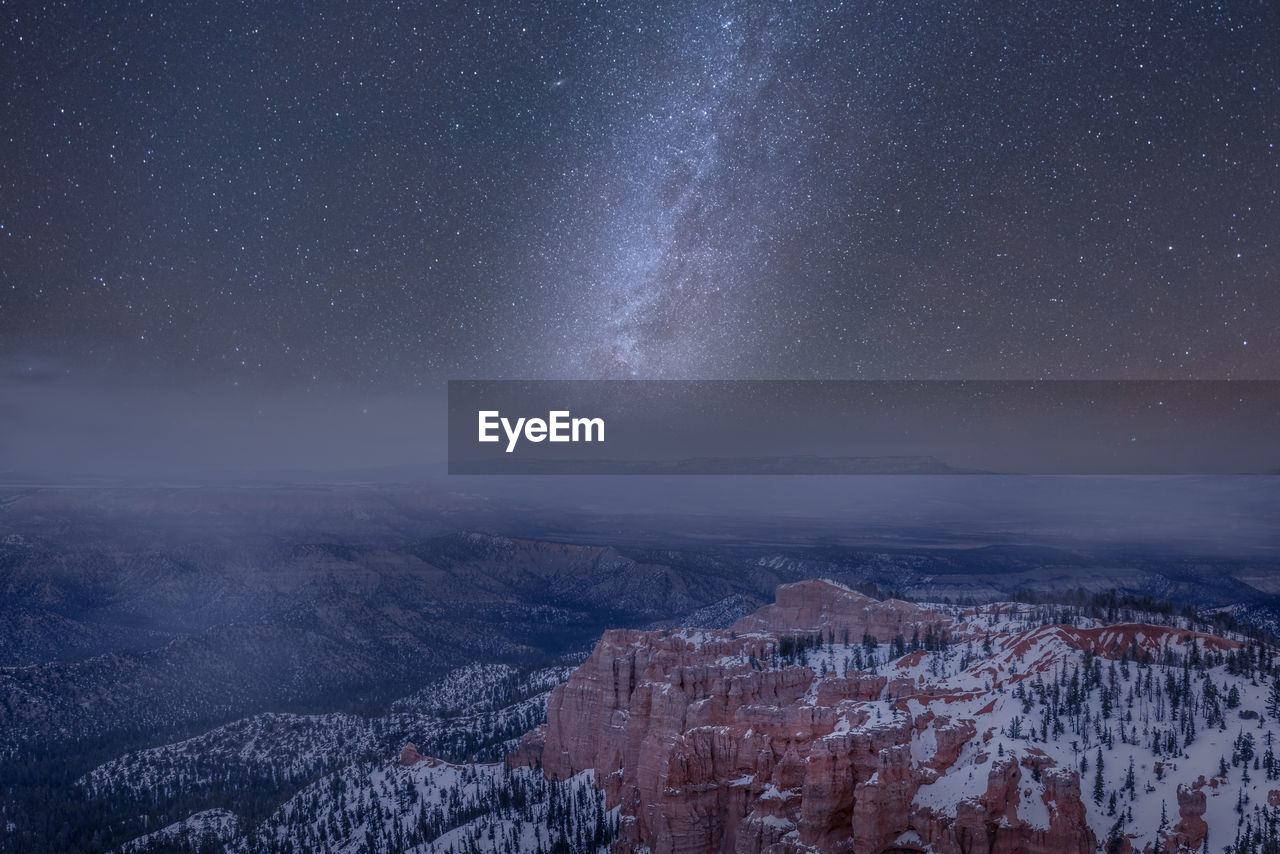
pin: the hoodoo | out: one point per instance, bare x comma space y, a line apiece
831, 721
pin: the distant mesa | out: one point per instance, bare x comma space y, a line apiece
823, 607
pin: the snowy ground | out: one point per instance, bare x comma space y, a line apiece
1176, 707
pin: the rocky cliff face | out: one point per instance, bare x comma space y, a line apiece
778, 736
820, 606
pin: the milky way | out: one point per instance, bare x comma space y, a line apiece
384, 196
702, 176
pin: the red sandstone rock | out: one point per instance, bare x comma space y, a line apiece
409, 755
810, 607
707, 752
1191, 828
529, 751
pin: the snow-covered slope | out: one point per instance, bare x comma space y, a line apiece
475, 710
205, 830
433, 807
833, 722
1033, 721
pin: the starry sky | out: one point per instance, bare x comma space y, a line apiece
379, 196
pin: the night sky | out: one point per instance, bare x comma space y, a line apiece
381, 196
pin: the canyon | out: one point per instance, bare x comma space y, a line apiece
789, 732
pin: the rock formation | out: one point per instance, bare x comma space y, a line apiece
409, 754
822, 607
721, 741
709, 743
1191, 828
